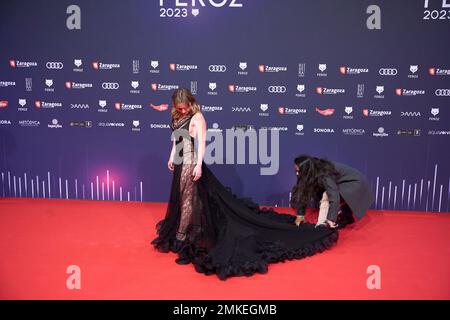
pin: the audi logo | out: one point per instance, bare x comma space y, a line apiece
276, 89
387, 71
54, 65
442, 92
217, 68
110, 85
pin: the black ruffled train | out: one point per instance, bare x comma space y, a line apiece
229, 236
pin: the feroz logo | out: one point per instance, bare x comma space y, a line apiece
348, 110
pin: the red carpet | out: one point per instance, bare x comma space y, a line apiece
109, 241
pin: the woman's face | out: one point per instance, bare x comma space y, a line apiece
297, 169
183, 108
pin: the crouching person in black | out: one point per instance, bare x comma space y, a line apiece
340, 191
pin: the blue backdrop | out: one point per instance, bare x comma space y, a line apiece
78, 81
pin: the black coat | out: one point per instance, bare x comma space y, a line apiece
352, 186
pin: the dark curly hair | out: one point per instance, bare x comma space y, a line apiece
310, 180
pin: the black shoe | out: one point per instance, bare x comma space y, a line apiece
344, 220
183, 260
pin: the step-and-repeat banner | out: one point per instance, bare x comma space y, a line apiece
85, 91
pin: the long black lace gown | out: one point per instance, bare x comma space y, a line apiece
224, 235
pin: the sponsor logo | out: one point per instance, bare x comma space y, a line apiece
110, 85
125, 106
111, 124
159, 126
301, 70
348, 113
135, 126
102, 105
49, 84
387, 71
241, 109
212, 88
206, 108
380, 133
413, 69
360, 90
264, 107
22, 64
241, 89
161, 107
29, 123
5, 122
7, 83
276, 89
379, 90
3, 103
353, 132
410, 114
81, 124
408, 92
291, 111
77, 85
300, 131
376, 113
135, 86
105, 66
322, 67
79, 106
323, 130
243, 68
438, 133
438, 72
154, 66
325, 112
300, 91
22, 103
78, 63
54, 65
263, 68
408, 132
351, 70
163, 87
47, 105
322, 90
217, 68
434, 113
182, 67
442, 92
55, 124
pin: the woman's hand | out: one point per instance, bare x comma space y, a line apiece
197, 173
299, 220
170, 164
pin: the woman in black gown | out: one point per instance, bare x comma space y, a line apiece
208, 226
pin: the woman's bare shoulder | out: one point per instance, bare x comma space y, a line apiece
198, 116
